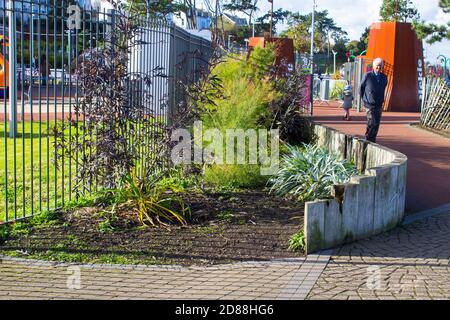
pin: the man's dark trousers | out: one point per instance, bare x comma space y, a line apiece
373, 123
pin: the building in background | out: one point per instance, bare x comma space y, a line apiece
35, 9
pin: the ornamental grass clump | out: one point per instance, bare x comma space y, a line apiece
308, 173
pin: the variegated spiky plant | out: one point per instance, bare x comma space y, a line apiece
308, 172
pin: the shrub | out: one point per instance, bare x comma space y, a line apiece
154, 206
297, 241
235, 176
260, 62
244, 105
337, 91
4, 232
289, 109
308, 173
179, 180
336, 75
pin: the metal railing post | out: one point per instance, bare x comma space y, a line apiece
12, 72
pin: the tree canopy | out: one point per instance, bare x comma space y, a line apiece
431, 32
325, 30
398, 10
247, 7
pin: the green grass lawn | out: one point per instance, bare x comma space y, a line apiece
29, 181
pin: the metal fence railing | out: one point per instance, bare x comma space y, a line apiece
40, 91
435, 109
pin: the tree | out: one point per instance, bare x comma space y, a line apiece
278, 15
353, 46
431, 32
161, 7
300, 35
247, 7
398, 10
445, 5
340, 47
325, 31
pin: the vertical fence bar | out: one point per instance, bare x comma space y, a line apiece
63, 93
77, 110
55, 116
30, 99
22, 117
91, 33
5, 115
135, 91
12, 70
171, 73
40, 82
69, 60
47, 98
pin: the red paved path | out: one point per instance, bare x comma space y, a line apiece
428, 180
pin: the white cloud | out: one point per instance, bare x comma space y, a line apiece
355, 15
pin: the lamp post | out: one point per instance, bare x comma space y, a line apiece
312, 38
229, 40
312, 56
334, 61
271, 18
444, 59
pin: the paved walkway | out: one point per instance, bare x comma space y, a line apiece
284, 279
410, 262
428, 154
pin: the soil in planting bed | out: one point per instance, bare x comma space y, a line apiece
222, 228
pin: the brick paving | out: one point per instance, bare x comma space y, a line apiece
410, 262
21, 278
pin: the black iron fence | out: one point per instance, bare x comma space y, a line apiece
42, 45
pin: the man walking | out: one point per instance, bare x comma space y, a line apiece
372, 90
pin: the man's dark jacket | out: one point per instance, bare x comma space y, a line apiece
372, 90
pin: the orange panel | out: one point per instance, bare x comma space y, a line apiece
285, 48
397, 44
4, 73
256, 42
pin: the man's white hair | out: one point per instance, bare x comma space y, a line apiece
378, 61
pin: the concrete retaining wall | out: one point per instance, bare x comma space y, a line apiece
369, 204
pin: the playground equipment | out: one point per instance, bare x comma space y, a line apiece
4, 66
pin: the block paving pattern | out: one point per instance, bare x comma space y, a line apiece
28, 279
410, 262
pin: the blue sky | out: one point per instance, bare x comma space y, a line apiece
355, 15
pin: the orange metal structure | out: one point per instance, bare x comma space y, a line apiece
397, 44
4, 66
285, 48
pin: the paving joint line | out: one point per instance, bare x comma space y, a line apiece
444, 209
306, 276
